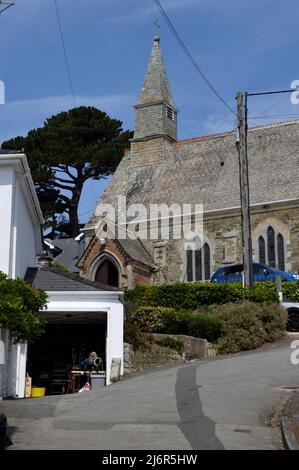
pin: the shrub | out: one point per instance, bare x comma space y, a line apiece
154, 319
171, 343
133, 335
20, 305
172, 322
192, 296
291, 291
248, 325
274, 319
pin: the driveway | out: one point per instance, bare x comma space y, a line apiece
221, 403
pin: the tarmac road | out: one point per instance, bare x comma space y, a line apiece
220, 403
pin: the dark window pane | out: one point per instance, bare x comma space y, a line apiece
198, 265
280, 250
189, 266
271, 247
207, 261
262, 250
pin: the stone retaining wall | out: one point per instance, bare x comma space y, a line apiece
194, 348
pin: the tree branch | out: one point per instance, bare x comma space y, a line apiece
61, 186
63, 180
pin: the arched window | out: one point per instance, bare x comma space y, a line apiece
207, 263
262, 250
107, 273
280, 252
271, 246
199, 264
189, 264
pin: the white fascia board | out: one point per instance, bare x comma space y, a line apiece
52, 247
79, 237
19, 162
84, 301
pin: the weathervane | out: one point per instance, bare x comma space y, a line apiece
5, 5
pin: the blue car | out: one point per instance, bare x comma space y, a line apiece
261, 272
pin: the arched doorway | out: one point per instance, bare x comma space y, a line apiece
107, 273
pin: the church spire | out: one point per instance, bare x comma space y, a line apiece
156, 112
156, 86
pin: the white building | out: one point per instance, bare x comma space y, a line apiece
20, 246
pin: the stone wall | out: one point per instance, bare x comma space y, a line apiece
194, 348
223, 234
128, 354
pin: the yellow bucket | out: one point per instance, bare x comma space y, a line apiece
38, 392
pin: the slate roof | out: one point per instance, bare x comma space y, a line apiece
156, 86
53, 279
206, 170
136, 251
71, 252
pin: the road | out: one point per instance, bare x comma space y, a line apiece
220, 403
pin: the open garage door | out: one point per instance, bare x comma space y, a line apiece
68, 340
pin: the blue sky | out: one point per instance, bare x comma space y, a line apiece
240, 45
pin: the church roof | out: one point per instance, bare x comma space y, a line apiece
136, 251
156, 86
205, 170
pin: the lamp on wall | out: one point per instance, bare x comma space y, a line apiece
102, 241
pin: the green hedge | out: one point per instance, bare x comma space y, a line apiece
192, 296
172, 322
290, 291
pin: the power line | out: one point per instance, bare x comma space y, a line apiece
6, 5
272, 92
273, 116
190, 57
64, 52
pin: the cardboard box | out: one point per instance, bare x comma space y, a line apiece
28, 386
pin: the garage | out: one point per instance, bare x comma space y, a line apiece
83, 317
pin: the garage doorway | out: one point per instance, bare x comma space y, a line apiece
68, 340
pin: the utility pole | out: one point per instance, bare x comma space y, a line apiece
244, 187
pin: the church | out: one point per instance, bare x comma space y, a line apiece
160, 169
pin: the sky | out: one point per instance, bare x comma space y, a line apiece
239, 45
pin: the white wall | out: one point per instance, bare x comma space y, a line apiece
115, 332
18, 230
24, 236
7, 181
93, 301
20, 220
